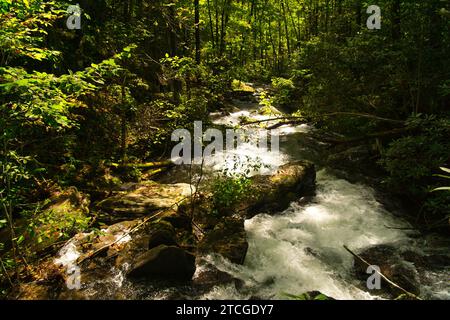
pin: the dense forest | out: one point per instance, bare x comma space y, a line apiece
91, 92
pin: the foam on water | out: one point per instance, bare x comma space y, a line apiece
233, 119
302, 249
287, 129
68, 255
247, 156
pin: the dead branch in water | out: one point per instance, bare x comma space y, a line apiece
143, 222
273, 119
382, 275
352, 114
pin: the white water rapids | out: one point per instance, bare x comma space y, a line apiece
301, 249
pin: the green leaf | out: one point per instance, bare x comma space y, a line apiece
321, 297
441, 189
441, 176
445, 169
20, 239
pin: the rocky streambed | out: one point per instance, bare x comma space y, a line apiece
286, 236
166, 242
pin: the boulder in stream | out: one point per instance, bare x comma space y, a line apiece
393, 265
143, 199
166, 262
274, 193
228, 238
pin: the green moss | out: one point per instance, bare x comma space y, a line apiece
237, 85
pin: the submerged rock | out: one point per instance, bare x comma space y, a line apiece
167, 262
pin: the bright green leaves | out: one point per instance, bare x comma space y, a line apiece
4, 6
44, 99
22, 27
228, 191
443, 176
38, 98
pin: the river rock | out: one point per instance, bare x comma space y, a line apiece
143, 199
312, 295
228, 238
274, 193
393, 265
208, 276
167, 262
162, 233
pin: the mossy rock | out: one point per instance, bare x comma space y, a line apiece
228, 238
310, 295
143, 199
274, 193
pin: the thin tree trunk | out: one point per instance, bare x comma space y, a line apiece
396, 20
197, 31
286, 29
124, 127
211, 25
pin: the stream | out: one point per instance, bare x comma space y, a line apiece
300, 249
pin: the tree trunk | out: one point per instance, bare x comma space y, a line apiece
396, 20
197, 31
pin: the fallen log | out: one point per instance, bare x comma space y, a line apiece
154, 172
147, 165
362, 115
280, 124
383, 134
273, 119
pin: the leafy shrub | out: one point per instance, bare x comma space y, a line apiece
411, 162
228, 191
283, 89
254, 70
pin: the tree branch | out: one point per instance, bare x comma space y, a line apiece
382, 275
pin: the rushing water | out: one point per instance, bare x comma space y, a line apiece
300, 249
